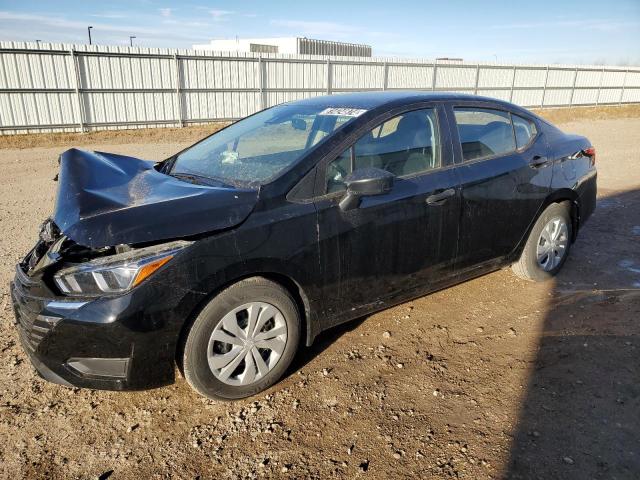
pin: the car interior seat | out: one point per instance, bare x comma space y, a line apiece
416, 142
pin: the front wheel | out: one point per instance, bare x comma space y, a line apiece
548, 244
243, 340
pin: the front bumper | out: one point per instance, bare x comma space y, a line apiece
112, 343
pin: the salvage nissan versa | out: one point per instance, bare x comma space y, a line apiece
225, 258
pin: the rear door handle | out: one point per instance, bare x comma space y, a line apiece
539, 161
438, 198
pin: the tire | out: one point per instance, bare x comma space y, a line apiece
528, 267
205, 355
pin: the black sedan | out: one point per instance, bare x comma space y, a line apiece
227, 257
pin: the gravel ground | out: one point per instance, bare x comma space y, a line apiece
494, 378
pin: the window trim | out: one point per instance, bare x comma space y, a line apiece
531, 139
321, 166
500, 108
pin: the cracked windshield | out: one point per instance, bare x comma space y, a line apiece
257, 149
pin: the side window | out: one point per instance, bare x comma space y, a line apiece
337, 171
404, 145
524, 129
484, 132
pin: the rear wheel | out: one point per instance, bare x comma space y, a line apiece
548, 244
243, 340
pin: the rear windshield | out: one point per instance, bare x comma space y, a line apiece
255, 150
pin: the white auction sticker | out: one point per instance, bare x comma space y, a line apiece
342, 112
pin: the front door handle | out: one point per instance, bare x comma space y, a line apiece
539, 161
441, 197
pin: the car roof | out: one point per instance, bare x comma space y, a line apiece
371, 100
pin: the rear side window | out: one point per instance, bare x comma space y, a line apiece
524, 129
484, 132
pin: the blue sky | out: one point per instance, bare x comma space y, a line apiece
602, 32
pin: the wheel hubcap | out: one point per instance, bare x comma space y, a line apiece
247, 343
552, 244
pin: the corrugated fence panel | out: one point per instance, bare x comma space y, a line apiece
553, 98
530, 78
588, 78
631, 96
133, 107
632, 79
613, 79
452, 77
560, 78
527, 97
408, 76
357, 76
62, 87
585, 96
610, 95
300, 76
495, 77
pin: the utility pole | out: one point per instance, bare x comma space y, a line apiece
131, 40
89, 31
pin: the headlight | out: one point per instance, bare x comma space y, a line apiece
116, 273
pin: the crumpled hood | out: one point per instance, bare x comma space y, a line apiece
106, 199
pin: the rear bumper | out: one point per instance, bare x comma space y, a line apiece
587, 193
118, 343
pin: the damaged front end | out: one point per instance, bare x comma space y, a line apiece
117, 218
73, 270
101, 298
84, 314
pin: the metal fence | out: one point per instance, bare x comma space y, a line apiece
56, 87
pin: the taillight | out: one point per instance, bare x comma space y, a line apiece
591, 153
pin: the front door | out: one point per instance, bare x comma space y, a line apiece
397, 242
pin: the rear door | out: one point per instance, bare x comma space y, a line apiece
504, 176
395, 243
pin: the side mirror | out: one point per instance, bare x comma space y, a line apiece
365, 182
298, 124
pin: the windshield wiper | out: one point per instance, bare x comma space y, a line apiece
199, 179
203, 179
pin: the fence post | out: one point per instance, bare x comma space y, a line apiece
624, 82
435, 73
544, 89
179, 118
600, 86
262, 80
475, 91
573, 87
78, 80
385, 80
329, 76
513, 84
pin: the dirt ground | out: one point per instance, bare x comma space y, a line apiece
495, 378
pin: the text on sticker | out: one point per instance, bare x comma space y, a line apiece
343, 112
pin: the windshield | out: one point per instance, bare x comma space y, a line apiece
255, 150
